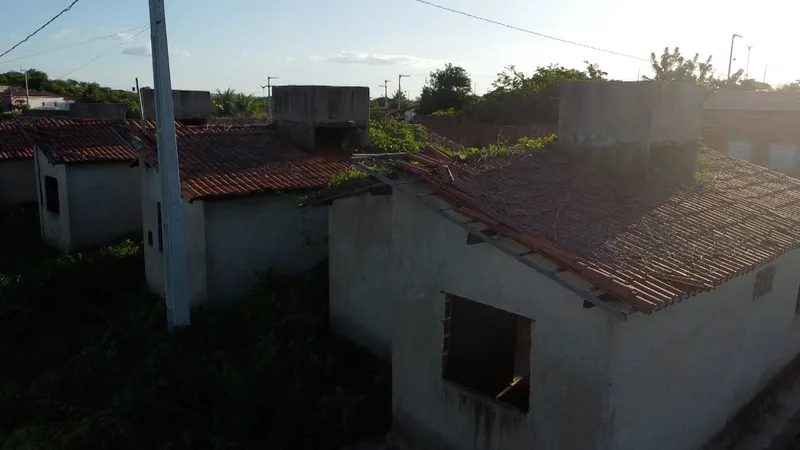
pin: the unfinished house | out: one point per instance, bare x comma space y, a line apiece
322, 116
241, 189
757, 126
86, 191
628, 290
17, 180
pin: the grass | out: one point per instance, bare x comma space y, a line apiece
88, 363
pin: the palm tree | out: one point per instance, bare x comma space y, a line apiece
246, 105
224, 102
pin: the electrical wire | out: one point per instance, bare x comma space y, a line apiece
72, 45
103, 54
40, 28
566, 41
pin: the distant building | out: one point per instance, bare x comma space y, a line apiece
757, 126
88, 195
240, 188
17, 179
18, 98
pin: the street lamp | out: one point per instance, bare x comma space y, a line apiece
730, 57
747, 68
399, 91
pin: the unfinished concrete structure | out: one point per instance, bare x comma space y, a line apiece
533, 303
17, 180
240, 188
757, 126
190, 106
87, 193
322, 116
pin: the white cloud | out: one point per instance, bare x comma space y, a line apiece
125, 35
146, 50
245, 55
289, 58
377, 59
63, 33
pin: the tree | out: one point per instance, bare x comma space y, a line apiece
223, 102
518, 98
672, 66
790, 87
450, 87
381, 101
246, 105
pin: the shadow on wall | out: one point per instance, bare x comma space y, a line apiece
479, 134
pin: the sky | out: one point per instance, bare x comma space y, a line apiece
238, 43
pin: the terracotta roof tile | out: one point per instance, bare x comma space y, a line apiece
67, 141
14, 143
648, 245
218, 161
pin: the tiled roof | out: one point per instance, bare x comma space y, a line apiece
219, 161
14, 143
67, 141
647, 245
754, 101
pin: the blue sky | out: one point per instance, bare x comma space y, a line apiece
237, 43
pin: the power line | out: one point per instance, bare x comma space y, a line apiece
566, 41
72, 45
40, 28
103, 54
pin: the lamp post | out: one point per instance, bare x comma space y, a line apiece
399, 91
747, 68
730, 57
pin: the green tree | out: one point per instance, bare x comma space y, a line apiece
224, 102
790, 87
672, 66
450, 87
246, 105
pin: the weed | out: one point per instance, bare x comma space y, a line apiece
88, 362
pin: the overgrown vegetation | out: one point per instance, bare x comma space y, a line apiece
525, 144
88, 363
345, 177
229, 103
387, 134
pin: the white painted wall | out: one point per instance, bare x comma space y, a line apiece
359, 242
104, 202
17, 182
670, 380
678, 375
570, 350
194, 219
55, 227
249, 235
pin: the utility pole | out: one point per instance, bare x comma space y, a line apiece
730, 57
27, 92
747, 68
141, 105
765, 73
269, 94
175, 255
385, 87
399, 91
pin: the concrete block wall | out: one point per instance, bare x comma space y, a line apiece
189, 105
300, 111
626, 126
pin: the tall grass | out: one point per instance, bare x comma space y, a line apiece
88, 363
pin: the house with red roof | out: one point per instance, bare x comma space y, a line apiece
17, 180
241, 189
628, 289
88, 195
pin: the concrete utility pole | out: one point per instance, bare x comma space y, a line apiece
269, 94
400, 91
385, 87
175, 255
27, 92
141, 105
730, 57
765, 72
747, 68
